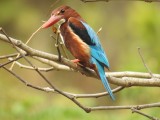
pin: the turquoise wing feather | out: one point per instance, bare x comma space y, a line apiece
96, 50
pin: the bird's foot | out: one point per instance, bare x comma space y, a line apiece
75, 60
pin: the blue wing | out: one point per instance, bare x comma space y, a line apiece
99, 58
96, 50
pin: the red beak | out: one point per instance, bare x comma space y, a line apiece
52, 20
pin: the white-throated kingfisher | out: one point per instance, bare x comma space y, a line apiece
81, 40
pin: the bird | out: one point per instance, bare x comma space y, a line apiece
82, 41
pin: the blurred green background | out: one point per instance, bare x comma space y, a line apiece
126, 26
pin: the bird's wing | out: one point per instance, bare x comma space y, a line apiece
87, 35
79, 29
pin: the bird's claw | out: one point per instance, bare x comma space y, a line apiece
75, 60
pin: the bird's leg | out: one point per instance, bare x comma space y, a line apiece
78, 63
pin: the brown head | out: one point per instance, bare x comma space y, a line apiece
63, 12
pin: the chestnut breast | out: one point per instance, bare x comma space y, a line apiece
79, 49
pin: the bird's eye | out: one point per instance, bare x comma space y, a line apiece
62, 11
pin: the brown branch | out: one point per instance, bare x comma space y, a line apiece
138, 107
7, 56
96, 95
73, 97
11, 61
143, 114
139, 51
44, 78
31, 68
26, 44
122, 79
125, 79
149, 1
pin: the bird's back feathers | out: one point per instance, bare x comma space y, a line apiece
96, 50
80, 30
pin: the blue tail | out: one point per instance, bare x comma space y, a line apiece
104, 80
103, 77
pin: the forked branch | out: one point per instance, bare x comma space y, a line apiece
149, 1
121, 79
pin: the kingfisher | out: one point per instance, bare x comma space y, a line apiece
82, 41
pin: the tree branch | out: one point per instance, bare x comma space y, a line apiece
149, 1
121, 79
143, 114
7, 56
125, 79
138, 107
44, 78
73, 97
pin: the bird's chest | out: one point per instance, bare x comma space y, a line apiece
75, 45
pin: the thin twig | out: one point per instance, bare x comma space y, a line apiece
26, 44
46, 80
149, 1
145, 65
138, 107
22, 80
100, 29
31, 68
96, 95
27, 60
57, 46
95, 1
55, 65
61, 44
7, 56
63, 49
4, 64
143, 114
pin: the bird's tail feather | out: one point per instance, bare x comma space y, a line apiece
103, 78
106, 85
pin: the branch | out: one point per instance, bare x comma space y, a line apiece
138, 107
73, 97
125, 79
31, 68
122, 79
7, 56
143, 114
139, 51
149, 1
134, 108
42, 76
32, 52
